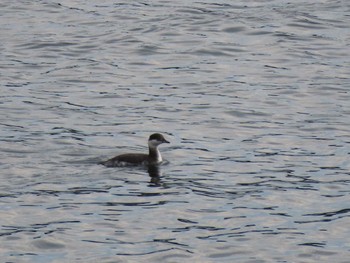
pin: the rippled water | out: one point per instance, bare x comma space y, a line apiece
253, 95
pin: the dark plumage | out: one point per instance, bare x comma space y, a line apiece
152, 158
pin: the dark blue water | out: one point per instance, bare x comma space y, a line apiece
253, 96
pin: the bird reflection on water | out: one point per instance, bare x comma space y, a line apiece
155, 173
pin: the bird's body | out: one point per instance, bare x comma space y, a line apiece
131, 159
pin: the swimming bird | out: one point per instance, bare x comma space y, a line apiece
131, 159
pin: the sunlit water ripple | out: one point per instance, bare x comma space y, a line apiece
253, 95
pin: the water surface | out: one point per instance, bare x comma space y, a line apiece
253, 95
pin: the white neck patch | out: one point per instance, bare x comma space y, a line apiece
153, 144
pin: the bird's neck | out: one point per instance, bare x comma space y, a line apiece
154, 153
